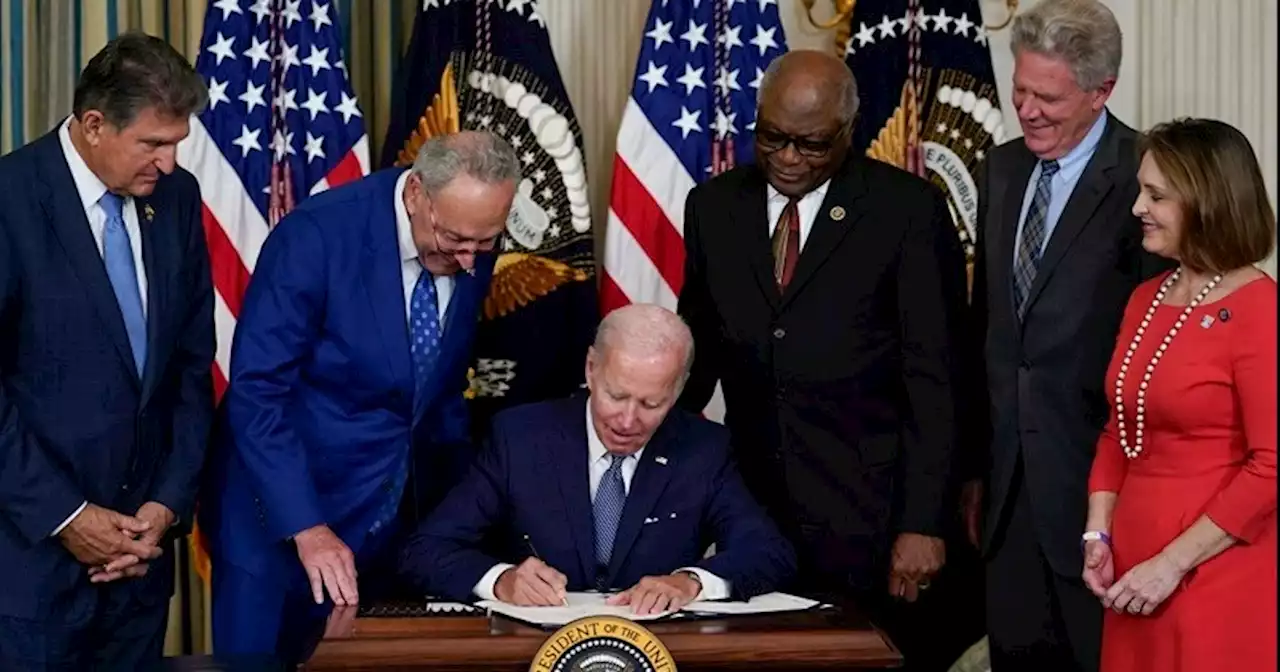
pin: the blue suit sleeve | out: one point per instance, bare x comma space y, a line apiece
36, 495
279, 323
751, 554
193, 359
442, 557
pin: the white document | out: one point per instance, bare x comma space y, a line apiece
761, 604
583, 605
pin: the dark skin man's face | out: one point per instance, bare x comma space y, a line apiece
800, 139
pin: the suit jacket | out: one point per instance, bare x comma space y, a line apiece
320, 409
532, 479
78, 421
1043, 390
840, 392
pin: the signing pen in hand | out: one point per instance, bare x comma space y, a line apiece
534, 552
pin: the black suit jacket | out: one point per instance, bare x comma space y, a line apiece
1044, 374
78, 422
841, 392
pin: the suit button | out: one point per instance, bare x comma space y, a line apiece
779, 333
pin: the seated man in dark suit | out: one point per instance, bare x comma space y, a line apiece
614, 492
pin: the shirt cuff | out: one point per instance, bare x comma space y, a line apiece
58, 530
713, 587
484, 587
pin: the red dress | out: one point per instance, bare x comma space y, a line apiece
1209, 447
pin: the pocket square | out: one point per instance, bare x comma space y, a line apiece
650, 520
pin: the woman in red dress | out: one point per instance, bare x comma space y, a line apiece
1180, 541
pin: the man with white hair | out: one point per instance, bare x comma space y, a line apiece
618, 491
1058, 254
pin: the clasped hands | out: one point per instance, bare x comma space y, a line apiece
1141, 590
114, 545
533, 583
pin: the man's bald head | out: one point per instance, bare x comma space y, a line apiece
812, 79
644, 330
804, 122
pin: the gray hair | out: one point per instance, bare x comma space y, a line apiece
136, 71
1084, 33
480, 154
646, 329
846, 94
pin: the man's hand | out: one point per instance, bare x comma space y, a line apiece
533, 583
659, 594
160, 518
98, 536
916, 558
971, 511
329, 564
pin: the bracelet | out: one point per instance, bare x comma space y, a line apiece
1095, 535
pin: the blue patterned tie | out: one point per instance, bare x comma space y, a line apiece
610, 497
1033, 235
117, 255
424, 350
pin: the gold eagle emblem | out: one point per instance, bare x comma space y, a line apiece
519, 279
440, 118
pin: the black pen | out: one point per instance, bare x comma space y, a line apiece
534, 551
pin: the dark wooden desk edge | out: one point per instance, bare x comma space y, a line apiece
478, 642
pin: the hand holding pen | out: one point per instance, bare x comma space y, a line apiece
533, 583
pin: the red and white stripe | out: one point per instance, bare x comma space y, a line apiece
644, 237
235, 230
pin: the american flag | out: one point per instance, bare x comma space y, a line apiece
691, 115
282, 123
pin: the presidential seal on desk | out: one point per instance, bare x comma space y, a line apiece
602, 644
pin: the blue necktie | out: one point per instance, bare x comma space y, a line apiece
117, 254
424, 350
1033, 235
610, 497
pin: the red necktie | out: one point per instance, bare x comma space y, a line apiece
786, 244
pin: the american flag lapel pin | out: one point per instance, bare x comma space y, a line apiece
660, 460
1206, 322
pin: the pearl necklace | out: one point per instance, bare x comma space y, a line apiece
1132, 451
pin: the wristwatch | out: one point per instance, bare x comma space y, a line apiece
1095, 535
694, 576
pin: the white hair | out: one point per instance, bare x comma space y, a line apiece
480, 154
1084, 33
645, 330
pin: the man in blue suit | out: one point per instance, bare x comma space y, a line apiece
617, 492
106, 349
346, 389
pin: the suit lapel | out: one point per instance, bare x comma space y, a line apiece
1006, 238
384, 285
647, 485
753, 214
1094, 185
61, 204
846, 187
568, 461
157, 294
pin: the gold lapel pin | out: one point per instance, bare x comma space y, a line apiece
148, 211
837, 213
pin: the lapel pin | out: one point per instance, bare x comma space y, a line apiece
660, 459
148, 211
1224, 314
837, 213
1206, 321
673, 514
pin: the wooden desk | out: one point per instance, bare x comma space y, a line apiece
792, 641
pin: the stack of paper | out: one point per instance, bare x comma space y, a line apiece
583, 605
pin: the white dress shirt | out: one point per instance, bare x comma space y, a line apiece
91, 189
599, 459
808, 208
410, 268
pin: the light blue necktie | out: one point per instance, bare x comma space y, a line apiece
1033, 233
117, 255
611, 495
424, 351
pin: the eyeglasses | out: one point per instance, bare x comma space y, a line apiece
453, 244
774, 141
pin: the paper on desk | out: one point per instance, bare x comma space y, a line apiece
581, 605
760, 604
